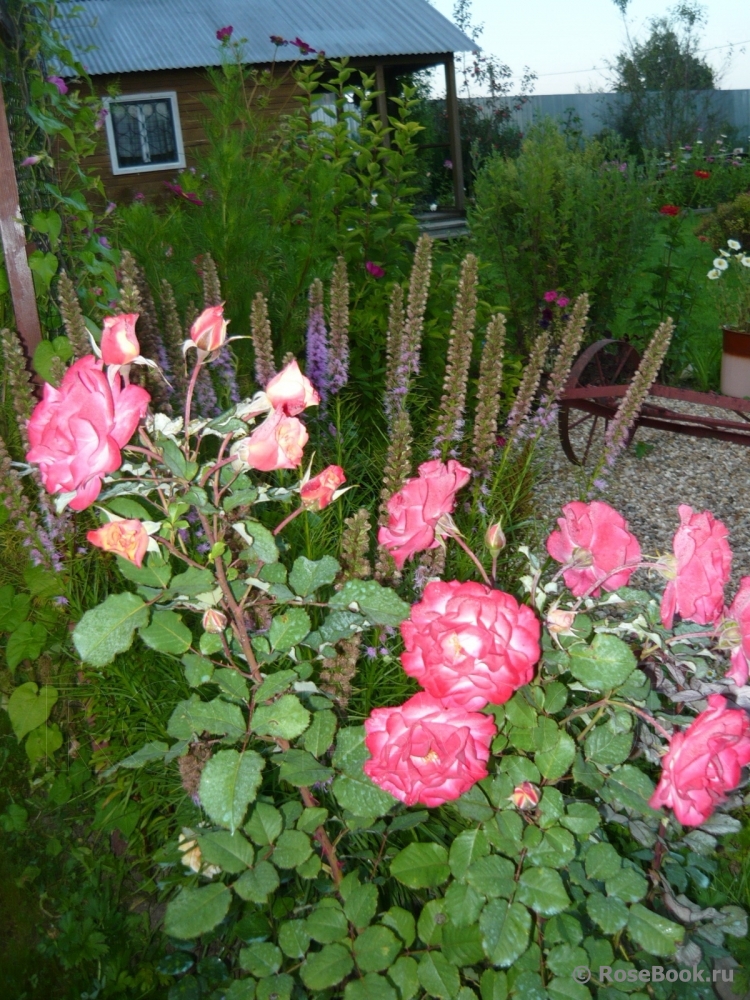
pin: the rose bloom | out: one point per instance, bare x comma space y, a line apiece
704, 763
119, 344
291, 391
595, 540
127, 538
413, 512
738, 617
77, 431
424, 752
209, 331
699, 569
670, 210
702, 175
468, 644
318, 492
278, 443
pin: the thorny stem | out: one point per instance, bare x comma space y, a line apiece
143, 451
324, 840
189, 399
280, 527
645, 716
603, 704
467, 550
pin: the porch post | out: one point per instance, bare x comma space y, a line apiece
14, 244
382, 99
454, 132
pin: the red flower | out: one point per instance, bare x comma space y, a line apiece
704, 763
702, 175
374, 270
423, 752
469, 645
698, 571
594, 540
670, 210
318, 492
224, 34
303, 47
126, 538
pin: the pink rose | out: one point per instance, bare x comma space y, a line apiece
413, 512
704, 763
318, 492
469, 645
699, 569
126, 538
738, 619
77, 431
119, 344
291, 391
374, 269
209, 332
594, 539
550, 296
423, 752
278, 443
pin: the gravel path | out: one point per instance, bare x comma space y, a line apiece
708, 475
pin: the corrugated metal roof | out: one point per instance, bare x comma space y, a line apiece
123, 36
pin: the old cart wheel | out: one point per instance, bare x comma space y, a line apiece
605, 363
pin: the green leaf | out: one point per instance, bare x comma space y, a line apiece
240, 989
362, 905
272, 988
257, 885
403, 973
216, 716
555, 762
602, 861
361, 796
29, 708
265, 824
431, 922
605, 664
25, 643
108, 629
286, 718
462, 944
294, 939
542, 889
463, 904
232, 683
301, 769
567, 988
493, 985
319, 736
263, 545
505, 931
289, 629
175, 460
628, 885
274, 684
351, 752
604, 746
43, 742
340, 625
609, 913
376, 949
402, 922
192, 582
520, 713
240, 498
13, 608
230, 851
421, 866
155, 573
195, 911
262, 959
229, 783
292, 848
153, 750
379, 605
581, 818
167, 634
198, 670
654, 933
438, 977
326, 968
306, 576
556, 849
369, 987
468, 847
327, 922
492, 876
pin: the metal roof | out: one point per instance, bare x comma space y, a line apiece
124, 36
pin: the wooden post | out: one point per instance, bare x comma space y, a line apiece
454, 132
382, 100
14, 244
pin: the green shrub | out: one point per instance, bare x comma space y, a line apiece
730, 221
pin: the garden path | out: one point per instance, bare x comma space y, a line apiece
648, 484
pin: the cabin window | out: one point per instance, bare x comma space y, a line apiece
143, 131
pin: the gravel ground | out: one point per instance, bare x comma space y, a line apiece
706, 474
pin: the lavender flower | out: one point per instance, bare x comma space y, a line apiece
317, 342
338, 360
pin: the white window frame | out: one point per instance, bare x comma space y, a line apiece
144, 168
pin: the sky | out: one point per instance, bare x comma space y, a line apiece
563, 40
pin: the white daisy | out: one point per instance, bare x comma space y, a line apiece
733, 245
720, 264
713, 275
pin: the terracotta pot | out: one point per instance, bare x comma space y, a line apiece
735, 362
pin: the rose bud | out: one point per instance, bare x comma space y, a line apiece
524, 796
209, 332
214, 621
291, 391
126, 538
494, 539
119, 344
278, 443
559, 621
318, 492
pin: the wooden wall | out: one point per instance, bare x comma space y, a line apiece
191, 85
